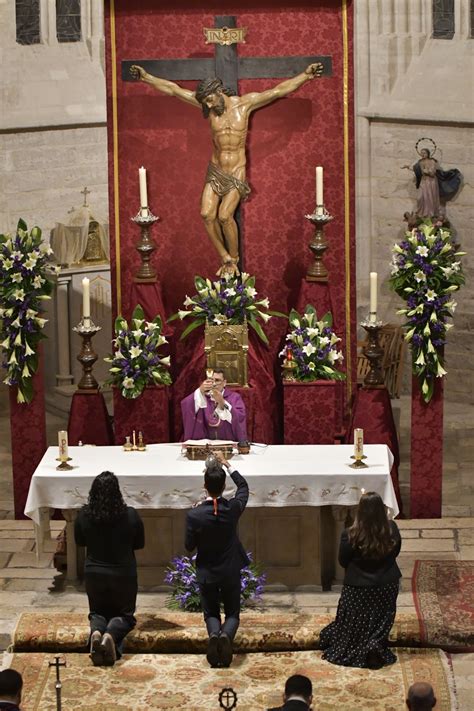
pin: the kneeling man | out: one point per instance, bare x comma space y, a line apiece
214, 412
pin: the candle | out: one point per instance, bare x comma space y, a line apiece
373, 297
86, 299
62, 442
134, 439
319, 190
143, 191
358, 443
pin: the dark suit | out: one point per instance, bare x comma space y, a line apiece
8, 706
220, 556
292, 706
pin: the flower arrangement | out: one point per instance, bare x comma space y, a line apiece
426, 271
181, 575
24, 260
312, 345
136, 362
231, 298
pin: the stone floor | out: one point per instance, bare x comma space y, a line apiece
27, 583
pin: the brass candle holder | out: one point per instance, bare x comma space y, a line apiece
358, 463
145, 246
374, 354
289, 366
87, 329
318, 245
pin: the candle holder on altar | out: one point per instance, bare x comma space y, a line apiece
289, 367
318, 245
145, 247
87, 329
374, 354
358, 463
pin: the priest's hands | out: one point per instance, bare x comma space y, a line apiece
206, 386
218, 398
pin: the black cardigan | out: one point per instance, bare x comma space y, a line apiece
110, 547
367, 572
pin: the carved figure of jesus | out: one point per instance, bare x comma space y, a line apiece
225, 184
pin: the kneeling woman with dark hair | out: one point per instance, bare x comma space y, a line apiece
368, 602
111, 532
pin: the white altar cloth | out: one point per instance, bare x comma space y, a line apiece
163, 478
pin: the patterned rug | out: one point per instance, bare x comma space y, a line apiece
184, 632
444, 601
186, 682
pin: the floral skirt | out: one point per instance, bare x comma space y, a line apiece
359, 634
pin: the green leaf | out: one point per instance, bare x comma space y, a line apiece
327, 318
190, 327
199, 283
277, 313
138, 313
173, 317
292, 315
22, 225
120, 324
258, 329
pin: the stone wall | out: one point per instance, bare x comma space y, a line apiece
409, 85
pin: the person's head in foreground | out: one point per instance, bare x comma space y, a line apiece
421, 696
11, 685
298, 688
105, 503
370, 532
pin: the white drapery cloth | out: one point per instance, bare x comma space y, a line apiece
69, 242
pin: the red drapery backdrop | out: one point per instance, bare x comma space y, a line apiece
426, 478
286, 140
28, 438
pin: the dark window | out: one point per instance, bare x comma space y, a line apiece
27, 21
472, 19
443, 19
68, 20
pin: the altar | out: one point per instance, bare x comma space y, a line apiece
300, 496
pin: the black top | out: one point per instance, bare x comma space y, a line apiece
220, 554
8, 706
366, 572
292, 705
111, 546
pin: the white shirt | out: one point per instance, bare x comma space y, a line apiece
200, 401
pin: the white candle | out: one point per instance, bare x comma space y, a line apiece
62, 442
373, 297
358, 443
143, 191
86, 299
319, 190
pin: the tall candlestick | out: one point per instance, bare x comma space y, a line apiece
373, 297
358, 443
143, 191
86, 299
319, 190
62, 442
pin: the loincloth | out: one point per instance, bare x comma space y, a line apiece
222, 183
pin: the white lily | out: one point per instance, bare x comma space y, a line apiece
264, 302
135, 351
17, 278
440, 371
427, 330
431, 295
188, 301
183, 314
421, 359
20, 397
425, 387
18, 339
128, 383
295, 323
431, 348
161, 340
165, 360
25, 373
12, 360
311, 331
309, 349
420, 276
264, 316
28, 350
422, 251
251, 291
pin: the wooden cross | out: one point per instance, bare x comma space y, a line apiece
226, 64
85, 192
229, 67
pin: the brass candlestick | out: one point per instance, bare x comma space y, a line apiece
374, 354
318, 245
289, 366
87, 357
145, 247
358, 464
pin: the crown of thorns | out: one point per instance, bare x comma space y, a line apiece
206, 87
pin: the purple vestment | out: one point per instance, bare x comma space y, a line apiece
205, 424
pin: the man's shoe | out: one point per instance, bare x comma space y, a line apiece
212, 655
108, 649
224, 649
96, 651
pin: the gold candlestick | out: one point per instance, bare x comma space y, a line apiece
145, 246
289, 366
318, 245
87, 356
374, 354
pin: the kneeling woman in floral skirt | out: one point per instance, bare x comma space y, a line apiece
366, 610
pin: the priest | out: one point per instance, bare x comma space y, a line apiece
213, 411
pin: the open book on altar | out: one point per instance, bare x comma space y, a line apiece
211, 442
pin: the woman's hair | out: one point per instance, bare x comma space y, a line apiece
105, 503
370, 533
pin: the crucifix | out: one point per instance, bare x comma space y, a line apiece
57, 684
85, 192
216, 95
